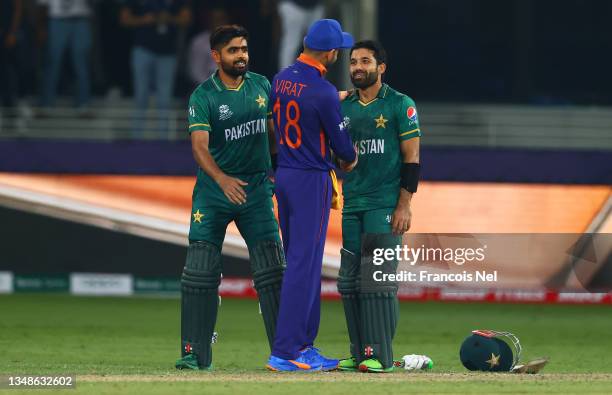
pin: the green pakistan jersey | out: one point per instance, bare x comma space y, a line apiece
236, 120
377, 128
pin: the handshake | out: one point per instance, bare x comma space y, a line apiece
348, 166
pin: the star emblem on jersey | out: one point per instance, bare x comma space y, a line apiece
197, 216
494, 361
380, 122
260, 101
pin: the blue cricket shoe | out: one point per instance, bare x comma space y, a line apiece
303, 363
327, 364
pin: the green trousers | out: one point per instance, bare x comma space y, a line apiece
355, 224
371, 310
212, 212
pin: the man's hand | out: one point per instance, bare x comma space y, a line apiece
164, 17
148, 19
232, 188
10, 40
402, 216
344, 94
347, 167
127, 19
41, 37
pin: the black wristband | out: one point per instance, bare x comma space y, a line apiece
274, 159
410, 176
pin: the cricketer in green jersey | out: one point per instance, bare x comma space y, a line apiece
230, 137
384, 127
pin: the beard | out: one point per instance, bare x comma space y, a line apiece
368, 80
233, 69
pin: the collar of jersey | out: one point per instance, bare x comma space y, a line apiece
312, 62
221, 86
382, 93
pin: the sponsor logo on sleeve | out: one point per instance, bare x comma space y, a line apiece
411, 113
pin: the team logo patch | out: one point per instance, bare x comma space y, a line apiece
368, 351
345, 124
188, 348
411, 113
224, 112
191, 111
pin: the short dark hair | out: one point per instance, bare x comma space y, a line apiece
225, 33
379, 52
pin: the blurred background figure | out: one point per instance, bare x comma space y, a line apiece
296, 16
155, 25
201, 64
10, 23
66, 25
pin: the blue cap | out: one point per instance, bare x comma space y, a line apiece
327, 34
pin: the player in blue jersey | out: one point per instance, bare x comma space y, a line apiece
308, 124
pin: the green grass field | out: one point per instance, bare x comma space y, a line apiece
129, 345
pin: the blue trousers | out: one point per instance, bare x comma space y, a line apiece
304, 200
152, 73
73, 33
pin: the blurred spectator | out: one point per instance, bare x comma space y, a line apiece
155, 25
263, 19
31, 55
69, 26
296, 16
10, 22
114, 46
201, 63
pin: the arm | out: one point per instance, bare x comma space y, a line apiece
232, 187
333, 125
271, 134
272, 144
402, 216
199, 129
272, 137
41, 24
181, 19
11, 34
128, 19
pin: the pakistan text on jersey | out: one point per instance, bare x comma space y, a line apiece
370, 146
255, 126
